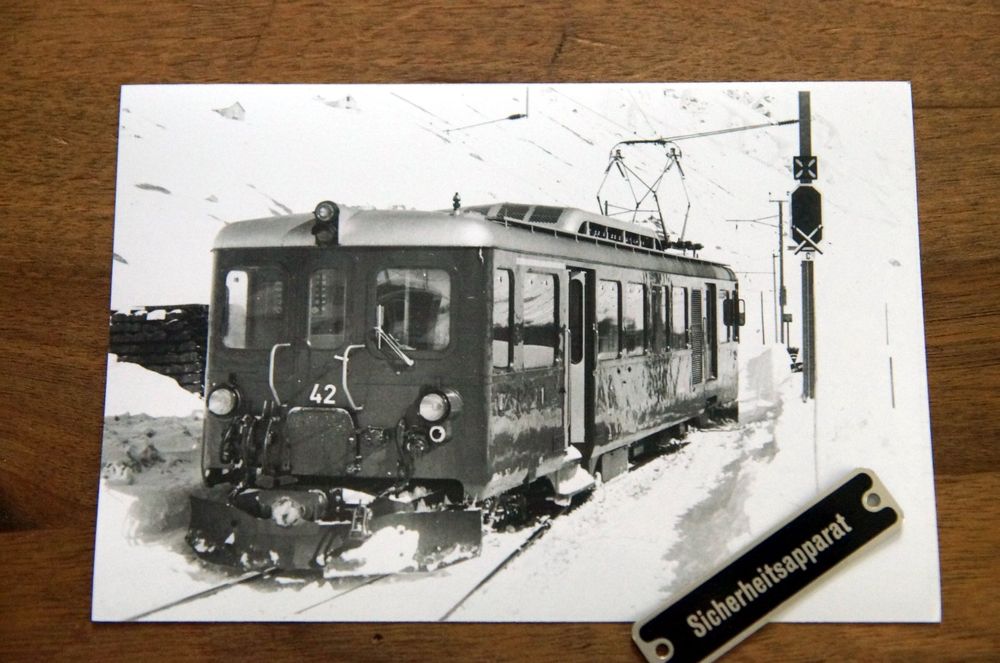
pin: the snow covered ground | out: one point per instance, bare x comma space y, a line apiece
646, 535
189, 163
631, 545
131, 389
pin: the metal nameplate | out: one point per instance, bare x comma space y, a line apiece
732, 604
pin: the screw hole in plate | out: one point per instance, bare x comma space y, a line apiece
664, 650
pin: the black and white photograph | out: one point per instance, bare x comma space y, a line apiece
505, 352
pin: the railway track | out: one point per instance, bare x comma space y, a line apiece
363, 583
323, 600
243, 579
535, 535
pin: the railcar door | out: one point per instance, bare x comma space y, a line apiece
302, 367
711, 331
579, 362
543, 310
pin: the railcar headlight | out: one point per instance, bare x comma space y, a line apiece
325, 211
440, 404
326, 228
434, 407
222, 401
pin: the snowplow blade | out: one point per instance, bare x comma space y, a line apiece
444, 537
224, 534
392, 543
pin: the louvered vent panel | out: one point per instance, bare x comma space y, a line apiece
544, 214
697, 338
513, 212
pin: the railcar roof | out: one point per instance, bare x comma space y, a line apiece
488, 226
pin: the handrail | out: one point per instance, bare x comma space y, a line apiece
270, 371
345, 359
567, 384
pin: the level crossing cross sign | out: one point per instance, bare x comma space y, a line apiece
805, 168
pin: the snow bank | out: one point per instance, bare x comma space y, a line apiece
133, 389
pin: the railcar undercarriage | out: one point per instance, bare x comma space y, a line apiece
261, 518
270, 518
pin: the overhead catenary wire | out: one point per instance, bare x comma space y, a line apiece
638, 106
757, 222
513, 116
663, 140
754, 220
597, 113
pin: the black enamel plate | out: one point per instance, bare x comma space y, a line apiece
729, 606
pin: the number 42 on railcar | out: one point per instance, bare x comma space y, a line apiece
398, 370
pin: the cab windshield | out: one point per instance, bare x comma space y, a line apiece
254, 314
416, 307
327, 293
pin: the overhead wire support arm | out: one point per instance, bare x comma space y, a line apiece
663, 140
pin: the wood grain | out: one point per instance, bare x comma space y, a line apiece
61, 65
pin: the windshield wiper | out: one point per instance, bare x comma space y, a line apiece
384, 337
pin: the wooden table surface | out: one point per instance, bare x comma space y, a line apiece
61, 65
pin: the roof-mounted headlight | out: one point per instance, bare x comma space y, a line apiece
325, 211
326, 227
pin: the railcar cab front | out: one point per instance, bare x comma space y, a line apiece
347, 365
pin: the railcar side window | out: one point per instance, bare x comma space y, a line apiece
503, 317
679, 324
658, 313
417, 306
609, 302
255, 308
326, 308
634, 319
541, 328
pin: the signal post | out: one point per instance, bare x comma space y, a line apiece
807, 232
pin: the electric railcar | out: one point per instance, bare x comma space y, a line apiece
370, 369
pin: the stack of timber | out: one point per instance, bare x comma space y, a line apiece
170, 340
